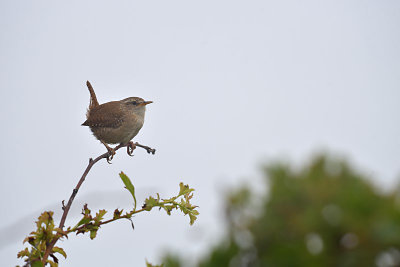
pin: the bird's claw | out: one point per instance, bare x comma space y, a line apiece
130, 147
110, 156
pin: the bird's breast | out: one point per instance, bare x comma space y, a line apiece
131, 127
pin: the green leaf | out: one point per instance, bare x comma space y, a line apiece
23, 253
117, 213
100, 215
184, 189
168, 209
45, 218
93, 234
86, 210
83, 221
61, 232
37, 264
149, 203
128, 185
192, 218
60, 250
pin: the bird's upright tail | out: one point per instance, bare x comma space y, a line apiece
93, 99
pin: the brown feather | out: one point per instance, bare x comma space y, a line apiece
108, 114
93, 99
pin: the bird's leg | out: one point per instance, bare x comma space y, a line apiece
111, 151
130, 147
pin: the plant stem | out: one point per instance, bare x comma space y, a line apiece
66, 208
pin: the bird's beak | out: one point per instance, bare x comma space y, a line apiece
145, 103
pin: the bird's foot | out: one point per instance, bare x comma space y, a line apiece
130, 147
111, 153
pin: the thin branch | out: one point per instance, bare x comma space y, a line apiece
66, 208
148, 149
126, 216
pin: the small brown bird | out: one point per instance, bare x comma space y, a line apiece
115, 122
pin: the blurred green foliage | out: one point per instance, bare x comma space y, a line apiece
324, 214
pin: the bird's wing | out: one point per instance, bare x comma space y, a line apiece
105, 115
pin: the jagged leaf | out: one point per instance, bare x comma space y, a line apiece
46, 218
192, 218
100, 215
23, 253
149, 203
195, 212
183, 188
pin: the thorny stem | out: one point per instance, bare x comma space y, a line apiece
75, 191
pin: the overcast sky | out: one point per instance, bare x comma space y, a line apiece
235, 84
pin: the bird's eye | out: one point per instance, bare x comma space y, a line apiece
134, 103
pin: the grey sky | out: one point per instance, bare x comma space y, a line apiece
234, 84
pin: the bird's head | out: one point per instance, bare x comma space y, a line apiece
135, 102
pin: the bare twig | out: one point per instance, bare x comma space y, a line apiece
66, 208
148, 149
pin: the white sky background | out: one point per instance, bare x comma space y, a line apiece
234, 84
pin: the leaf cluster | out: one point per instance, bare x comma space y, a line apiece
184, 205
89, 223
46, 232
